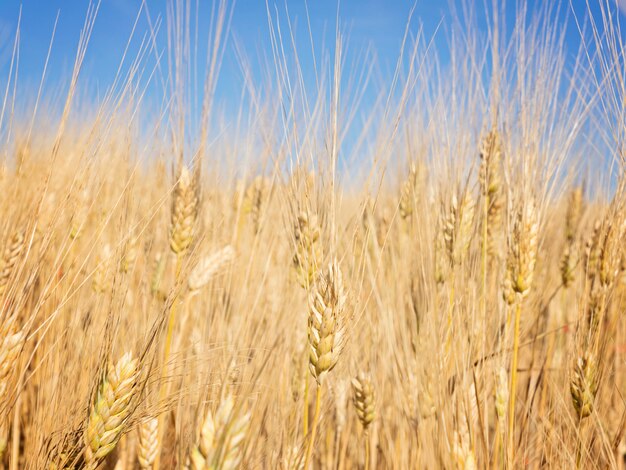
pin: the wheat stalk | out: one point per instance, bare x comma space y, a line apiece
182, 230
521, 266
327, 303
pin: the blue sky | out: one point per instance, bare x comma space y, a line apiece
378, 24
368, 23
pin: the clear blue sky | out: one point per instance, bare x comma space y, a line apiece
368, 22
376, 23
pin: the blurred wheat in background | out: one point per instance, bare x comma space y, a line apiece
437, 283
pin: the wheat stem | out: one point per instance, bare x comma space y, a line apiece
309, 450
450, 314
168, 346
367, 450
305, 412
483, 298
15, 449
579, 443
511, 436
496, 446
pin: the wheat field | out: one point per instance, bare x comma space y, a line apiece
439, 282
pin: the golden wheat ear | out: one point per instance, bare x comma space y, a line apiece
220, 443
10, 259
409, 192
208, 267
11, 343
326, 322
184, 212
490, 180
584, 384
110, 410
364, 399
308, 254
148, 445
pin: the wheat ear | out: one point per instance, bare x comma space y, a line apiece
208, 267
10, 346
308, 253
220, 444
110, 410
584, 384
9, 259
11, 343
184, 212
365, 405
148, 443
490, 180
408, 193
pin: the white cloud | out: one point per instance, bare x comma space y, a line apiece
622, 5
